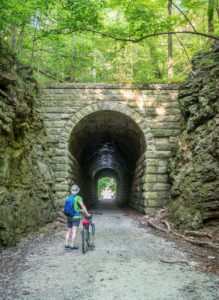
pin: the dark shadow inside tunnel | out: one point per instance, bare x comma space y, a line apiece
106, 144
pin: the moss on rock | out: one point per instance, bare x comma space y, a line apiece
26, 180
194, 168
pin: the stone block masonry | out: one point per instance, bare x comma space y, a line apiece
152, 110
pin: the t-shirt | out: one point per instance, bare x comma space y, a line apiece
77, 202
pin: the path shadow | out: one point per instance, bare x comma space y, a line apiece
107, 206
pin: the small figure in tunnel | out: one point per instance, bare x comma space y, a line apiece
72, 209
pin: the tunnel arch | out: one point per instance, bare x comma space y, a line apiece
95, 107
106, 140
70, 160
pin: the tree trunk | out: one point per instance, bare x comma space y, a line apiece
216, 5
132, 63
217, 9
155, 63
211, 6
94, 71
73, 59
14, 36
33, 47
170, 45
20, 40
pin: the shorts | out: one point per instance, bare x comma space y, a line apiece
73, 222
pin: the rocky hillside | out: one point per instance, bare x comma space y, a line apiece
195, 167
26, 183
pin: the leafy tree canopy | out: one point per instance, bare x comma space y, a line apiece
107, 40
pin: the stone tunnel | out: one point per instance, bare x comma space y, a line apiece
121, 131
107, 143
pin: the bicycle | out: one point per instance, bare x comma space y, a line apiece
88, 234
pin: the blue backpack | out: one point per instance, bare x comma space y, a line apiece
69, 209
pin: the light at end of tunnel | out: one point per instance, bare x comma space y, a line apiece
106, 188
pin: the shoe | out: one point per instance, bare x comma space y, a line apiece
73, 248
67, 247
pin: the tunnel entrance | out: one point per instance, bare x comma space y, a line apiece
106, 144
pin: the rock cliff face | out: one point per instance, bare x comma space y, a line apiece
26, 182
195, 167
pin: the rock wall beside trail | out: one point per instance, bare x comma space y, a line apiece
26, 180
195, 168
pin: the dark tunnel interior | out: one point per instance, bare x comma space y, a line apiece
106, 143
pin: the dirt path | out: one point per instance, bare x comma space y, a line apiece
128, 262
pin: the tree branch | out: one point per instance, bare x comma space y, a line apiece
55, 31
50, 52
133, 40
47, 75
187, 67
212, 36
184, 48
185, 16
196, 242
199, 234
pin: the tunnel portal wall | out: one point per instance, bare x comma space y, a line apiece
153, 107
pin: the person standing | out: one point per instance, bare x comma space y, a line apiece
73, 222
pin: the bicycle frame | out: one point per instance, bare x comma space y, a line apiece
88, 233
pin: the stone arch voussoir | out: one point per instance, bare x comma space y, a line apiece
96, 107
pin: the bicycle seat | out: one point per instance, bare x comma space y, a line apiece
85, 222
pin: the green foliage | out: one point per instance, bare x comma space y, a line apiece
67, 40
104, 184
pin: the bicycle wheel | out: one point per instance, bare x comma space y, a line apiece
84, 240
92, 234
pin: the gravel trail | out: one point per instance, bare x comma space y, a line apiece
128, 262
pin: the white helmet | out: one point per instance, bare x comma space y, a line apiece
75, 189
